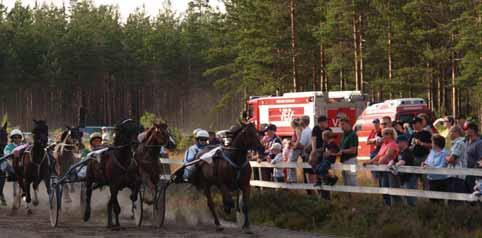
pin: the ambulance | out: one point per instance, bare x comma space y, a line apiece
281, 110
404, 110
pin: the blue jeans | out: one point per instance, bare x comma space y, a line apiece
388, 180
410, 182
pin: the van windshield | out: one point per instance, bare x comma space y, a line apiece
405, 118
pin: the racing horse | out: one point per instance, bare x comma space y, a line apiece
3, 144
65, 152
33, 164
147, 157
117, 169
229, 171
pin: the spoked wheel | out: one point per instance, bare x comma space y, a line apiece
137, 207
55, 202
83, 198
159, 206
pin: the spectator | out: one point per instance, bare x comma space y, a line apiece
473, 151
317, 142
375, 138
408, 129
461, 121
388, 153
456, 159
398, 126
386, 122
405, 158
305, 145
443, 126
436, 159
268, 140
420, 141
348, 151
277, 157
296, 125
426, 123
328, 157
213, 139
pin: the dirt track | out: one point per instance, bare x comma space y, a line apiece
187, 218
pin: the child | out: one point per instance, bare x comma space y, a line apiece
436, 159
277, 157
330, 149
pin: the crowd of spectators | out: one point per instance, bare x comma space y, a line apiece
445, 143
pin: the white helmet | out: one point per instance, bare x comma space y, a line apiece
201, 134
195, 131
16, 132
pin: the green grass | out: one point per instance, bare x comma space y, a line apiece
363, 216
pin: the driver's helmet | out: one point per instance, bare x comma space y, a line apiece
201, 134
16, 132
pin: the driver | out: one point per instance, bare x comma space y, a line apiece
201, 140
16, 138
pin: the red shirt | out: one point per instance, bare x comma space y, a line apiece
391, 144
373, 134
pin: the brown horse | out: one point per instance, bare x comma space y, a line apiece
116, 169
65, 152
148, 152
147, 156
33, 166
229, 171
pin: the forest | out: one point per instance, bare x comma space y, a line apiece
197, 68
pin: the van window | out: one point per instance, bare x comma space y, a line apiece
406, 118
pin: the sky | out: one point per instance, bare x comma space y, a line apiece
125, 6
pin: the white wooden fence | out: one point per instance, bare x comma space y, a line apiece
365, 189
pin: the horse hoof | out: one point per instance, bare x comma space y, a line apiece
35, 203
29, 212
219, 229
247, 231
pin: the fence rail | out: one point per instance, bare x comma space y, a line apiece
365, 189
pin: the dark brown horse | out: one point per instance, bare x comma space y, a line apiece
3, 143
116, 169
148, 152
230, 171
33, 166
66, 153
147, 156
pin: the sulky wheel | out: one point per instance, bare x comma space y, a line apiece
83, 198
159, 206
137, 207
55, 202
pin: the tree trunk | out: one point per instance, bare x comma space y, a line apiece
360, 47
293, 44
323, 79
454, 87
389, 52
355, 49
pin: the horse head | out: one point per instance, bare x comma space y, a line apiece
160, 135
72, 136
126, 133
245, 136
40, 133
4, 134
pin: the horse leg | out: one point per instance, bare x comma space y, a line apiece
35, 201
207, 192
27, 197
88, 196
113, 208
227, 199
66, 193
244, 207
